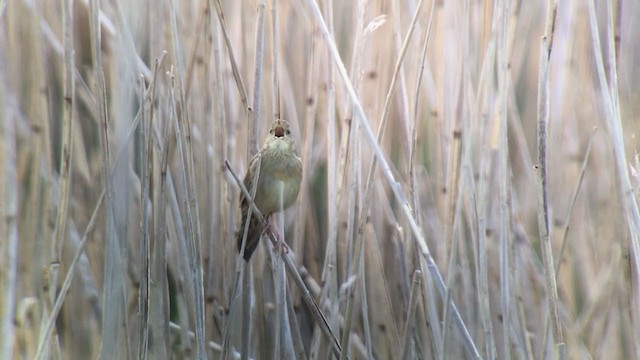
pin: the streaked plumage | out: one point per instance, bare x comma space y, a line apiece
280, 168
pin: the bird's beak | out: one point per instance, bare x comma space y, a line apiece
278, 131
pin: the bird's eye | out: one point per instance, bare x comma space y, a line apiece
271, 131
288, 132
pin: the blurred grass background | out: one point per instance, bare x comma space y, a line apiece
116, 119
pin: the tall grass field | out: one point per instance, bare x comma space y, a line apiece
470, 187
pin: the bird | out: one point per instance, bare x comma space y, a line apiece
279, 178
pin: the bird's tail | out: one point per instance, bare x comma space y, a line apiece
253, 236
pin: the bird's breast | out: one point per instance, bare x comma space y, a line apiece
280, 177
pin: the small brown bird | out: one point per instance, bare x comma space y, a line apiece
278, 182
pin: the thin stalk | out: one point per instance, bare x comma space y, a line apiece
274, 56
401, 94
481, 104
247, 290
298, 345
8, 224
193, 48
482, 278
35, 209
453, 211
366, 323
430, 312
330, 269
159, 307
416, 108
504, 172
309, 120
543, 207
355, 161
329, 293
278, 282
411, 312
143, 288
349, 155
232, 58
574, 198
252, 146
283, 341
65, 161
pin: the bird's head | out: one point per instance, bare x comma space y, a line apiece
280, 128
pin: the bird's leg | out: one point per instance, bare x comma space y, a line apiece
273, 229
268, 228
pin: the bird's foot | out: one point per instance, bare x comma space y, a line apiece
281, 246
272, 228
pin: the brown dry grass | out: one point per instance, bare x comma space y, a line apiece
124, 185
